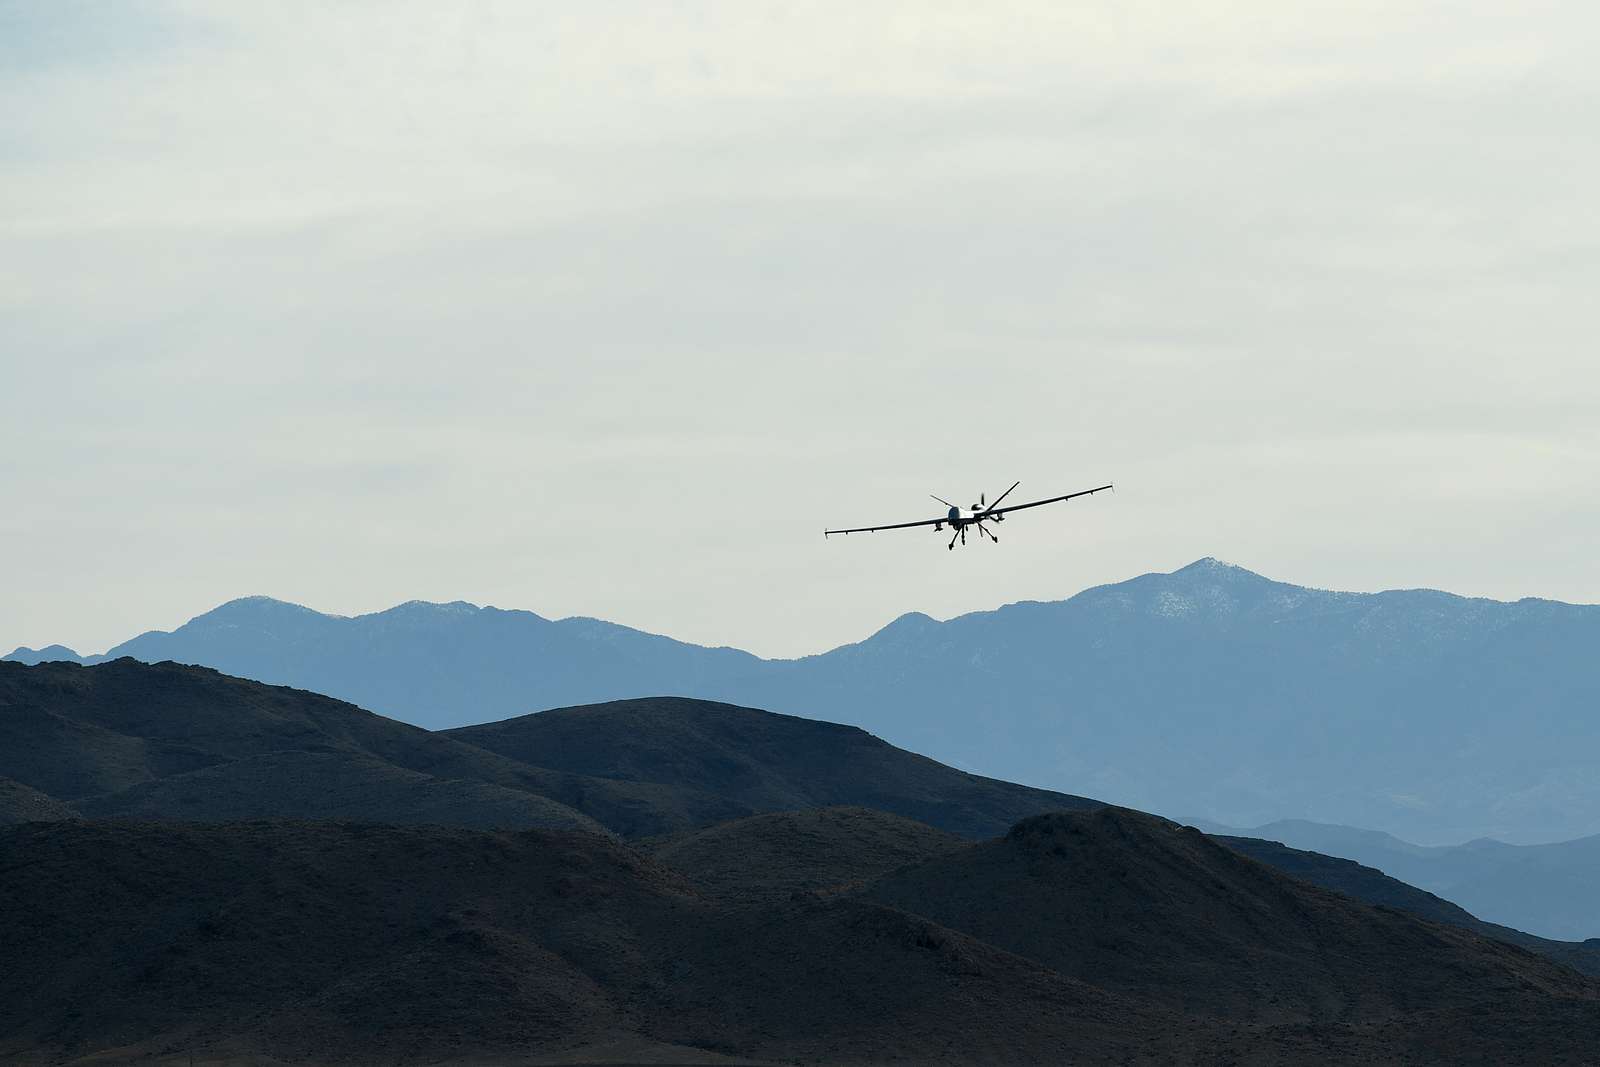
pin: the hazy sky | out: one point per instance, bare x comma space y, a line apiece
609, 309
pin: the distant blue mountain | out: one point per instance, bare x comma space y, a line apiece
1210, 690
433, 665
1213, 689
1552, 890
47, 654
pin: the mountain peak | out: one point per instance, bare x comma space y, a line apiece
912, 622
257, 606
1211, 566
432, 607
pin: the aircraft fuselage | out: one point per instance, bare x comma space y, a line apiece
956, 518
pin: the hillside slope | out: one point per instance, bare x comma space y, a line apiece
761, 761
1549, 889
823, 851
165, 741
1372, 886
21, 803
360, 944
371, 944
1142, 906
832, 850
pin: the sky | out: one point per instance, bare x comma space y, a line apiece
610, 309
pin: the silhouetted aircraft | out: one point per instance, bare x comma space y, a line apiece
958, 519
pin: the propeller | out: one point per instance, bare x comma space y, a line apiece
1001, 497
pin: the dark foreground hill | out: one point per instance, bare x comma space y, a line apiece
1148, 908
833, 850
170, 742
1092, 937
760, 762
383, 944
824, 850
163, 741
1235, 697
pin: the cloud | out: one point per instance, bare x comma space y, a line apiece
608, 310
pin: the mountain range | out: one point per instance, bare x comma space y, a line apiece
1209, 691
671, 880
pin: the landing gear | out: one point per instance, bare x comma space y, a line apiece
960, 534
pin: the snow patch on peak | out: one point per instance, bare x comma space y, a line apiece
454, 607
1211, 565
256, 605
422, 612
1173, 605
259, 600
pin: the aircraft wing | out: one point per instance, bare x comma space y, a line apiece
893, 526
1052, 500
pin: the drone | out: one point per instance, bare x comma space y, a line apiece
958, 519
